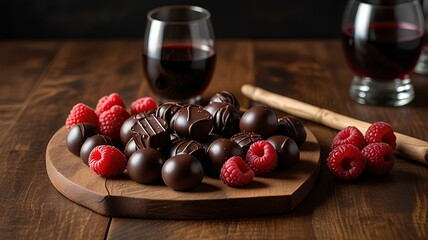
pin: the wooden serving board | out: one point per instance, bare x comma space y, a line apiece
277, 192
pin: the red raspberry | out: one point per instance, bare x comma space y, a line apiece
111, 121
346, 162
379, 158
144, 104
381, 132
261, 157
107, 161
235, 172
108, 101
81, 113
349, 135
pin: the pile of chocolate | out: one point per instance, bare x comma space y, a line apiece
184, 143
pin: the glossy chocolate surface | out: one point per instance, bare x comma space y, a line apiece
287, 151
182, 172
259, 119
151, 132
225, 118
188, 146
226, 97
219, 152
292, 127
145, 166
206, 142
246, 139
167, 110
78, 135
130, 148
125, 130
91, 143
193, 122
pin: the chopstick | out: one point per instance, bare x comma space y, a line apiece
407, 146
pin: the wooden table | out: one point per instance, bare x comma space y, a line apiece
41, 80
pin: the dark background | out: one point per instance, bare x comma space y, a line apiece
126, 18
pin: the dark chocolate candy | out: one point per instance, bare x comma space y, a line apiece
125, 130
219, 152
130, 148
246, 139
182, 172
145, 166
192, 147
226, 97
225, 118
193, 122
78, 135
91, 143
167, 110
292, 127
206, 142
151, 132
259, 119
286, 149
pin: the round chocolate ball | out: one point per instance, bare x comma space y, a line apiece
125, 129
188, 146
167, 110
292, 127
206, 142
91, 143
219, 152
225, 118
259, 119
145, 166
78, 135
226, 97
182, 172
286, 149
130, 148
193, 122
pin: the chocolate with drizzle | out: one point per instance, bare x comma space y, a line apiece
192, 147
246, 139
151, 132
225, 118
193, 122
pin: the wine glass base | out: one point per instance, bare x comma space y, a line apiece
422, 65
391, 93
194, 100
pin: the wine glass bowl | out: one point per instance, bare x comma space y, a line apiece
179, 52
382, 41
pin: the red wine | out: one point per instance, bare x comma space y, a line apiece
387, 51
181, 71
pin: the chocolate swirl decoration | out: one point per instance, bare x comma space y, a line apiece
292, 127
187, 146
167, 110
245, 139
193, 122
151, 132
226, 97
225, 118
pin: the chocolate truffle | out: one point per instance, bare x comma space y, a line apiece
167, 110
125, 130
193, 122
292, 127
226, 97
91, 143
286, 149
225, 118
219, 152
130, 148
145, 166
206, 142
259, 119
182, 172
192, 147
151, 132
77, 136
246, 139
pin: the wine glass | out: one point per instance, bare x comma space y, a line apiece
179, 52
422, 65
381, 41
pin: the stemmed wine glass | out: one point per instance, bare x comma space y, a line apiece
382, 40
179, 52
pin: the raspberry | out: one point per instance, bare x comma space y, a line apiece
349, 135
144, 104
235, 172
108, 101
379, 158
111, 121
81, 113
261, 157
381, 132
346, 162
107, 161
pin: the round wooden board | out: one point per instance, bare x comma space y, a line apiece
278, 192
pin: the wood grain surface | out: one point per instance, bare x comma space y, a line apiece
41, 80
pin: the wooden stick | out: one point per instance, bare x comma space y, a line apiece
407, 146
